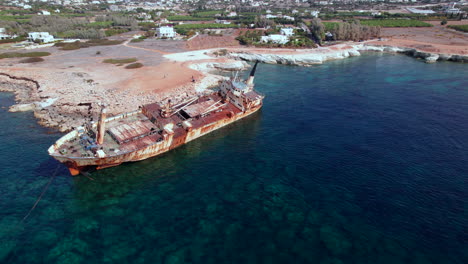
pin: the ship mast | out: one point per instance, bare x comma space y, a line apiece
252, 75
101, 125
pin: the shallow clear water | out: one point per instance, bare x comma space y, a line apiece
362, 160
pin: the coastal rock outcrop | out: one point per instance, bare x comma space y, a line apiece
302, 58
233, 65
426, 56
320, 55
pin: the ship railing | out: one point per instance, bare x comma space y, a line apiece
123, 115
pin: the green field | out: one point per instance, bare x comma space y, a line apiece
97, 25
330, 25
188, 18
19, 19
395, 23
115, 31
463, 28
208, 13
205, 26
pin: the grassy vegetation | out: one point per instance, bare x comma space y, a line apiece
103, 42
463, 28
101, 24
17, 18
31, 60
395, 23
211, 13
18, 39
205, 26
140, 39
188, 18
134, 66
120, 61
330, 25
23, 55
71, 46
113, 31
91, 43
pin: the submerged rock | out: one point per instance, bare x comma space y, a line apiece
22, 107
334, 240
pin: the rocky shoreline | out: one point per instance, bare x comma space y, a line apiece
318, 56
65, 109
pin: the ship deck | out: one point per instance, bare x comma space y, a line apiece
145, 128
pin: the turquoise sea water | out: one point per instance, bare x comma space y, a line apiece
363, 160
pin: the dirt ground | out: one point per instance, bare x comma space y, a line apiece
434, 39
79, 76
205, 41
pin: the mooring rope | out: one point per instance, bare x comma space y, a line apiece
42, 193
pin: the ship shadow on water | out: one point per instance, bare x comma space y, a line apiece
168, 168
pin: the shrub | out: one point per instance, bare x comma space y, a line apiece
443, 22
463, 28
120, 61
134, 66
18, 39
395, 23
111, 32
70, 46
31, 60
23, 55
94, 42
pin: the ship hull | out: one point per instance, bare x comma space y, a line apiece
78, 165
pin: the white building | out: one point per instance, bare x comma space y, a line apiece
287, 32
232, 14
44, 13
268, 16
165, 32
315, 13
4, 35
43, 37
219, 21
276, 38
288, 18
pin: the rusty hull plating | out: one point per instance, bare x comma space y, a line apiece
154, 128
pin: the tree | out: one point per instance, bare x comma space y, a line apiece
263, 22
317, 29
443, 22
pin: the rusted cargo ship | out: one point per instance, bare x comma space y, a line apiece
155, 128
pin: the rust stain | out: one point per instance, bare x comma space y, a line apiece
151, 131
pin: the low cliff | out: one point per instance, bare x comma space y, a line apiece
320, 55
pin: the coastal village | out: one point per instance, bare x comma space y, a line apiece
58, 55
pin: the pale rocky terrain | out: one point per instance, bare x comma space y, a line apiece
70, 78
57, 88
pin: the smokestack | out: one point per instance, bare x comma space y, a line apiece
252, 74
101, 126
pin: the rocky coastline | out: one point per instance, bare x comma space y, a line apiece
321, 55
63, 109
